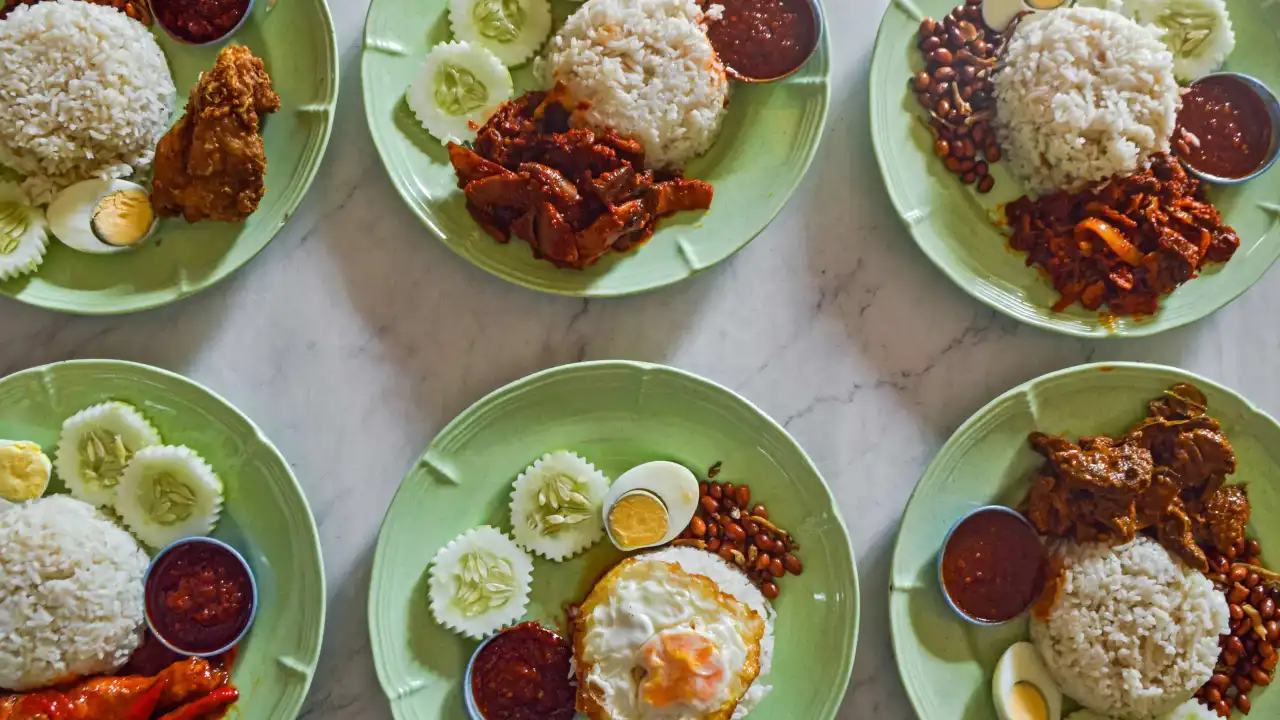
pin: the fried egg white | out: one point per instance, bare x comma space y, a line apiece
653, 642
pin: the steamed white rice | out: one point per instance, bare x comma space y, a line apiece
1134, 632
70, 593
732, 582
648, 71
85, 92
1083, 94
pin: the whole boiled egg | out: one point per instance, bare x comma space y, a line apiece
102, 216
1022, 688
650, 505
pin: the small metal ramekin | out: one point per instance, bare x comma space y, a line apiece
468, 696
942, 584
1273, 111
819, 29
253, 586
243, 19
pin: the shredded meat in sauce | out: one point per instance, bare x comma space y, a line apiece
1166, 476
573, 194
1124, 242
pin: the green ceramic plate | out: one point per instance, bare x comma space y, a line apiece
265, 517
768, 139
616, 414
950, 222
295, 40
947, 663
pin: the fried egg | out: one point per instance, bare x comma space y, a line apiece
653, 642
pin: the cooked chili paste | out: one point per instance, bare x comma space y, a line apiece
764, 39
523, 674
199, 597
994, 566
200, 21
1229, 128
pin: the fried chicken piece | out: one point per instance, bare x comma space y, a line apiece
211, 164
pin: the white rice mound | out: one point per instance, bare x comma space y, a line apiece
71, 598
1189, 710
733, 582
648, 71
1134, 632
1083, 94
85, 92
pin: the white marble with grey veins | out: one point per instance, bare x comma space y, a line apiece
356, 336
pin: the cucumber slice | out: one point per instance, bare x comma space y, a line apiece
169, 493
513, 30
1197, 32
456, 90
23, 240
97, 444
479, 582
555, 506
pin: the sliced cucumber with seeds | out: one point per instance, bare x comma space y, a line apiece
456, 90
23, 239
512, 30
1197, 32
97, 444
169, 493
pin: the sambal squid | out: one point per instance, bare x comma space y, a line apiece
1125, 242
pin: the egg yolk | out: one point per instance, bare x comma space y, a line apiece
122, 218
682, 666
638, 519
1025, 702
23, 475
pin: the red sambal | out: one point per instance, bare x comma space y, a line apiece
523, 674
1224, 128
199, 597
994, 566
190, 689
200, 21
764, 39
1125, 242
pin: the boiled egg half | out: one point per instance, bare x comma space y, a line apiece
650, 505
1022, 688
102, 216
999, 14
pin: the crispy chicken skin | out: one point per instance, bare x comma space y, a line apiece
211, 164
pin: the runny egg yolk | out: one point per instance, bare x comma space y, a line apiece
682, 666
1026, 702
638, 519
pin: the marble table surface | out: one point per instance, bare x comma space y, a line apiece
356, 336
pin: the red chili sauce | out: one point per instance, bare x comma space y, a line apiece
199, 597
200, 21
523, 674
994, 566
1230, 122
764, 39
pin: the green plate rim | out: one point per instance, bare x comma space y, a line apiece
136, 368
823, 55
844, 674
978, 415
969, 283
308, 171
